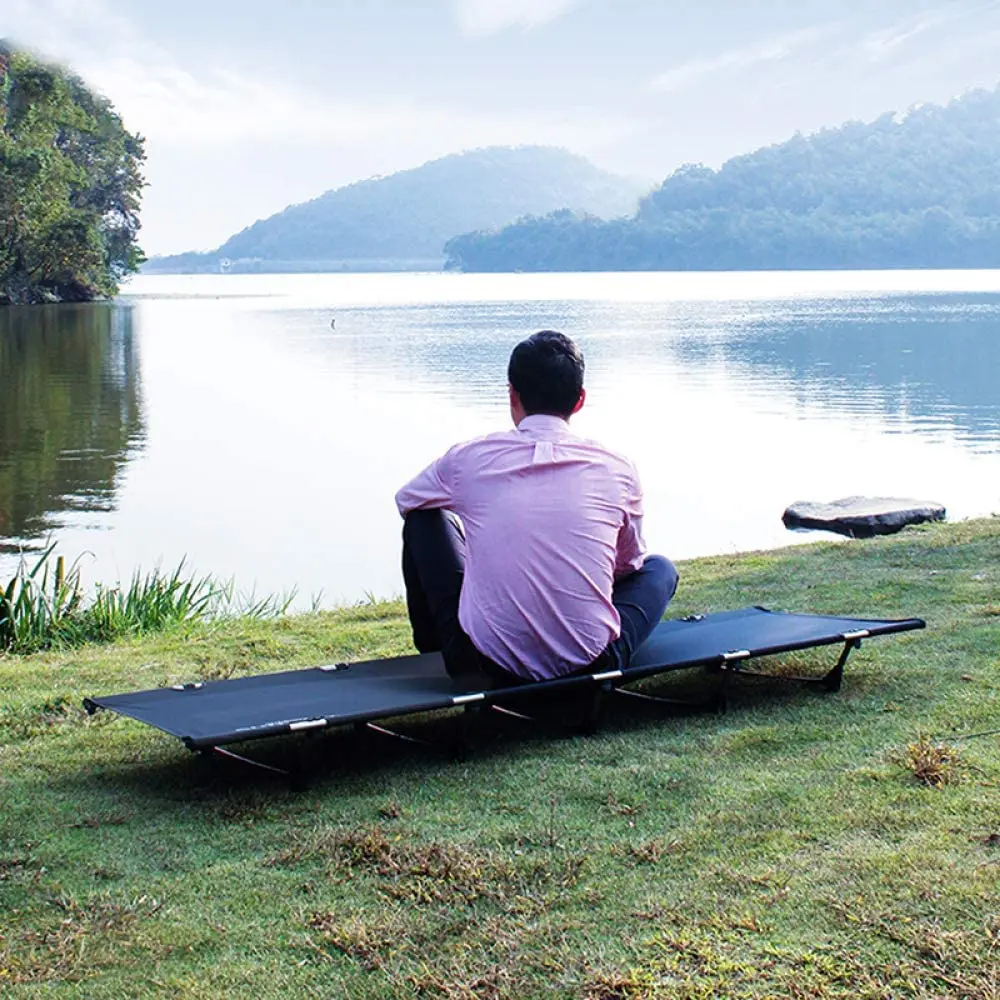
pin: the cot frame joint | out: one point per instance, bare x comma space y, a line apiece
830, 681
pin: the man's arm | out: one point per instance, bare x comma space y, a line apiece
631, 549
434, 487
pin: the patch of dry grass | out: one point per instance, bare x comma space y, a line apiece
83, 935
931, 763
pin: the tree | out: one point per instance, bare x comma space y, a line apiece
70, 186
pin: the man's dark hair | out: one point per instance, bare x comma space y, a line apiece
547, 372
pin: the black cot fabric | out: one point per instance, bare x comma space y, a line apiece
246, 708
220, 712
700, 641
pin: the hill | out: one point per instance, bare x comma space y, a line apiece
406, 218
918, 190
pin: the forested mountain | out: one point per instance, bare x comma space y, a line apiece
918, 190
70, 181
408, 216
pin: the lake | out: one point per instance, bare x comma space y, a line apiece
223, 420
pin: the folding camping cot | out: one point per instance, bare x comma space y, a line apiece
209, 715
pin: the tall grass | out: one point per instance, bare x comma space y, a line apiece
38, 603
45, 605
150, 603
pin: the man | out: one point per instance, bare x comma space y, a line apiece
543, 571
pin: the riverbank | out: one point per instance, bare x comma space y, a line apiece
841, 845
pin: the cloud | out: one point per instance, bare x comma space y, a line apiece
479, 18
879, 46
695, 71
849, 54
226, 146
63, 28
220, 107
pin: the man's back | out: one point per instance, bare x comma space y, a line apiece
549, 576
550, 521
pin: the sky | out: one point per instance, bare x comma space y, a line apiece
250, 105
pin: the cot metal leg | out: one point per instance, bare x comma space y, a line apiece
588, 723
830, 681
511, 714
716, 704
249, 761
459, 748
722, 692
833, 680
371, 727
469, 726
592, 715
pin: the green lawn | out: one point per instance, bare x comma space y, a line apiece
786, 849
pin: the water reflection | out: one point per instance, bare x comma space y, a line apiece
70, 414
262, 444
927, 362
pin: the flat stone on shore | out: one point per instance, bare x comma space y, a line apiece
861, 517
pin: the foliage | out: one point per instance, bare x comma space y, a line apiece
782, 849
44, 605
916, 191
407, 216
70, 184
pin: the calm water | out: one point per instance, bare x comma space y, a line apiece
223, 420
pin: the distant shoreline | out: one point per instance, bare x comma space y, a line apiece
437, 265
217, 266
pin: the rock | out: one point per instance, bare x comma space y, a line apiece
861, 517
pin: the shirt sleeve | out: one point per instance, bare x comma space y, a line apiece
434, 487
631, 550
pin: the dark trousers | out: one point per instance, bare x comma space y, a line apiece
433, 570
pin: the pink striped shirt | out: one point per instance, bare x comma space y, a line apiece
551, 520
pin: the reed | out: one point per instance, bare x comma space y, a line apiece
45, 605
151, 602
39, 602
228, 602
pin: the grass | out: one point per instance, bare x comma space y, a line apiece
44, 605
803, 845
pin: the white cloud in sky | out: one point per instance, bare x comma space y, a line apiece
222, 106
814, 57
885, 44
61, 28
486, 17
694, 72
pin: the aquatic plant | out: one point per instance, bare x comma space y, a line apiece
45, 604
38, 602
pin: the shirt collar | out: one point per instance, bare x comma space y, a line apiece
544, 425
